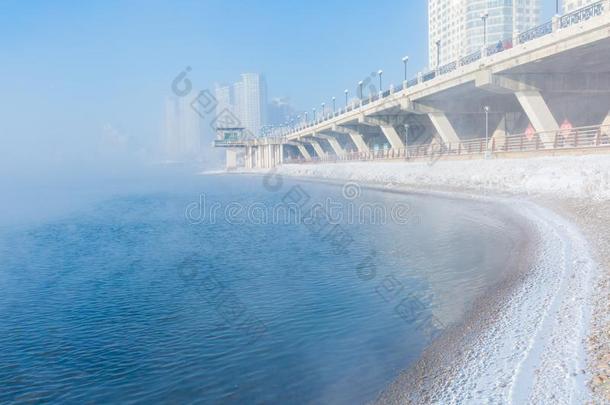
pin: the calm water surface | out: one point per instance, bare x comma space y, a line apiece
127, 300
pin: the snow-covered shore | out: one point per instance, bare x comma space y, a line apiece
566, 177
540, 346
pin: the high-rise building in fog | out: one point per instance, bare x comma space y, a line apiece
224, 98
458, 29
247, 100
182, 132
281, 112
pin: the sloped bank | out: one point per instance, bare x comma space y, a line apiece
548, 340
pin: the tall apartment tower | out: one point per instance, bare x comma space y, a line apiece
456, 27
247, 100
251, 101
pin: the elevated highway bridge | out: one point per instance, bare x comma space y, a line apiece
544, 89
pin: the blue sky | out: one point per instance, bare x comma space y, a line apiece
68, 68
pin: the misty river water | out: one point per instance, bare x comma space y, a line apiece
206, 290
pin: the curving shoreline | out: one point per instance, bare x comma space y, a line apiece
539, 337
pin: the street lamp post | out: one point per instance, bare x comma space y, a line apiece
486, 108
346, 97
323, 114
314, 115
380, 72
405, 60
484, 17
306, 118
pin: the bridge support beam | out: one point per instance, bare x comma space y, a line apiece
355, 136
303, 151
280, 154
261, 156
231, 159
444, 128
537, 110
439, 120
317, 147
334, 143
247, 157
387, 128
358, 140
255, 157
392, 136
529, 98
606, 120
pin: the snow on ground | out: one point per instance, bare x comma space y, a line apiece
567, 176
536, 350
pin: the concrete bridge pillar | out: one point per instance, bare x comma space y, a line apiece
231, 159
539, 114
606, 120
317, 147
387, 129
444, 128
392, 136
355, 136
358, 140
261, 156
333, 142
304, 151
529, 98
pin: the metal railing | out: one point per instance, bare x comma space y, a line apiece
567, 20
449, 67
564, 139
536, 32
583, 14
499, 47
412, 82
473, 57
428, 76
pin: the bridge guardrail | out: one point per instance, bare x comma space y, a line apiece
583, 14
468, 59
449, 67
567, 20
582, 138
428, 76
536, 32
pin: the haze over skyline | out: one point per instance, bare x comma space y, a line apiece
74, 73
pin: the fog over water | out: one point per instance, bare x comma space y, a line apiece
130, 310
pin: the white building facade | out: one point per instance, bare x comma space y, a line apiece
571, 5
246, 100
456, 28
